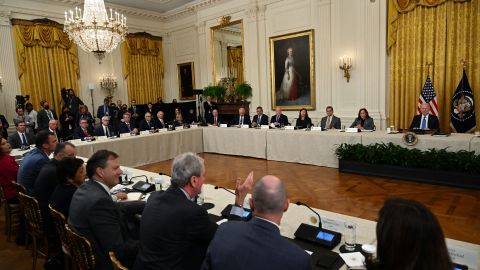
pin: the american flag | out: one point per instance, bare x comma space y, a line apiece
428, 96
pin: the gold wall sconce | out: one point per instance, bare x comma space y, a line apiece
346, 65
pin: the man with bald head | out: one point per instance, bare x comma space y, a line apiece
425, 120
259, 240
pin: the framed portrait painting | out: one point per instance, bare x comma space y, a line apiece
186, 80
292, 65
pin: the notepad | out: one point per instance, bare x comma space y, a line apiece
354, 260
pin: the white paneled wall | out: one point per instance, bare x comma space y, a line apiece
356, 28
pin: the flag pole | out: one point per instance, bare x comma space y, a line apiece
464, 66
428, 64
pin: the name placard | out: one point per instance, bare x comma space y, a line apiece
179, 127
264, 127
223, 125
76, 141
245, 126
193, 126
316, 128
351, 130
102, 138
124, 135
163, 130
144, 132
289, 128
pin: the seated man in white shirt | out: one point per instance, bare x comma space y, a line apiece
104, 129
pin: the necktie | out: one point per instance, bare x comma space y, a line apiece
424, 123
105, 111
128, 125
241, 120
278, 118
215, 121
50, 116
328, 122
24, 139
106, 131
86, 133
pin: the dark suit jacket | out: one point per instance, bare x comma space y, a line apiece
100, 132
246, 120
145, 126
210, 120
42, 118
283, 119
62, 197
159, 124
5, 125
123, 128
432, 122
368, 123
303, 123
334, 123
78, 133
94, 215
15, 141
174, 232
101, 111
253, 245
208, 108
263, 119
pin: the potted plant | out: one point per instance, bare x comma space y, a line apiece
209, 91
243, 91
219, 93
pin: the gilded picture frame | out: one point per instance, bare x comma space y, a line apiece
292, 66
186, 80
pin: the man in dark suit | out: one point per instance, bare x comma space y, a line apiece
214, 119
45, 115
104, 110
127, 126
279, 119
147, 123
160, 121
104, 129
208, 107
21, 137
45, 144
83, 132
330, 121
95, 215
425, 120
241, 118
135, 112
259, 118
260, 237
175, 231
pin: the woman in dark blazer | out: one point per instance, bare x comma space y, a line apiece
71, 174
303, 121
363, 120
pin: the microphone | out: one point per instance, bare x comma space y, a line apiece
219, 187
318, 215
317, 235
161, 173
142, 186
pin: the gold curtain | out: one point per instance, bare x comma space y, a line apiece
442, 32
46, 60
235, 61
142, 57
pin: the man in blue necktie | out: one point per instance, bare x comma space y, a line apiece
425, 121
242, 118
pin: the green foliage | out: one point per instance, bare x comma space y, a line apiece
392, 154
215, 91
243, 91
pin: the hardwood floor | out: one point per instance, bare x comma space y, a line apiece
325, 188
361, 196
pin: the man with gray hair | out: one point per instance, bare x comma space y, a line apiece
259, 240
175, 231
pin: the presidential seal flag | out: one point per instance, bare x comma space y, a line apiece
462, 119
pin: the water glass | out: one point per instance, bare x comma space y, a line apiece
350, 235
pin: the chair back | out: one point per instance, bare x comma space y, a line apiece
3, 200
32, 213
117, 265
82, 252
20, 188
59, 221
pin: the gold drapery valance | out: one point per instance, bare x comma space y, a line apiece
443, 35
142, 56
397, 7
46, 59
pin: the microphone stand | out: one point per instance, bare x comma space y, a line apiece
318, 215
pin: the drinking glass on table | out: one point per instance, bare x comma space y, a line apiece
350, 235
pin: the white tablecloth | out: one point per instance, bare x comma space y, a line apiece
235, 141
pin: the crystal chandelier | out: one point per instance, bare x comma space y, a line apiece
93, 30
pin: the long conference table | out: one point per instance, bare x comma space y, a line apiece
461, 252
307, 147
299, 146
